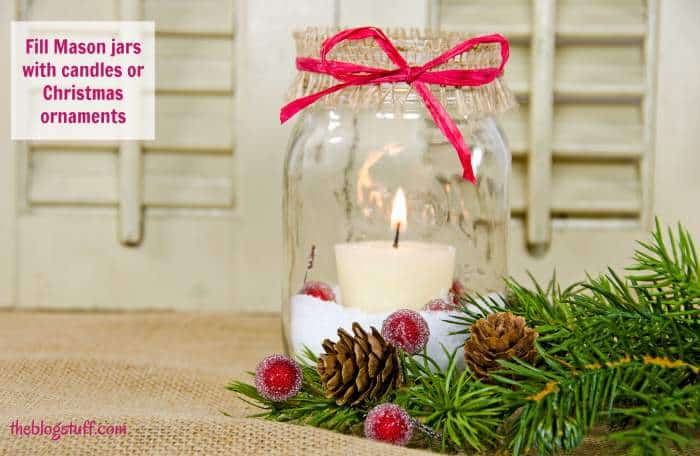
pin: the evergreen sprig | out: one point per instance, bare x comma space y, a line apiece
559, 403
665, 417
666, 274
464, 412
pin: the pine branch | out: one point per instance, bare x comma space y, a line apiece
663, 419
614, 326
560, 403
666, 274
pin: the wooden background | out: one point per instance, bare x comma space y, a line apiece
605, 138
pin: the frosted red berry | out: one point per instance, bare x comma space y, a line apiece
440, 305
406, 329
318, 290
277, 378
456, 291
389, 423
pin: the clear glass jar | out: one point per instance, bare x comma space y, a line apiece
343, 170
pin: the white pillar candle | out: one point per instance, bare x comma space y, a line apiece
376, 277
379, 276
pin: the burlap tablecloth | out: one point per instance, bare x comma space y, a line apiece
162, 374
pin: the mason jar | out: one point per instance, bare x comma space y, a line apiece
377, 216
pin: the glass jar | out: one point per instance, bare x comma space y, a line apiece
378, 193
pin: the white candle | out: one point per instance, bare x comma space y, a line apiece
375, 276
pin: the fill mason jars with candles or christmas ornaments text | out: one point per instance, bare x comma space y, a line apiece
396, 178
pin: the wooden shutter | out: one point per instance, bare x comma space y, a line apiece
189, 165
172, 198
583, 71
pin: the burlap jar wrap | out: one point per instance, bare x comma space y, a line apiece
163, 374
417, 47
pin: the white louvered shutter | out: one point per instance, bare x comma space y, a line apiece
140, 224
582, 139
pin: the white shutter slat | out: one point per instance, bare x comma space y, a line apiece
599, 71
205, 17
193, 122
584, 189
194, 64
597, 124
73, 177
69, 10
88, 177
387, 13
583, 131
509, 17
619, 18
188, 180
584, 71
601, 151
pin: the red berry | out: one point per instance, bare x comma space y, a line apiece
406, 329
456, 291
318, 290
277, 378
389, 423
437, 305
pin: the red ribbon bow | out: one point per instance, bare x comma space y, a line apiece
418, 77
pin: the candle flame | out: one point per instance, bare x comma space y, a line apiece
398, 211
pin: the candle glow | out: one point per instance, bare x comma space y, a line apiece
398, 211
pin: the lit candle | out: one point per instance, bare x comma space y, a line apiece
380, 276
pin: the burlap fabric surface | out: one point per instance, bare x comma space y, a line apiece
162, 374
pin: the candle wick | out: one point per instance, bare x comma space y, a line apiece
396, 236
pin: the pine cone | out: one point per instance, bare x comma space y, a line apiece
358, 368
499, 336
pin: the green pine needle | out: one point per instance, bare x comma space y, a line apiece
463, 411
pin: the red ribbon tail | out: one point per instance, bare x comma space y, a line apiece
290, 109
448, 128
